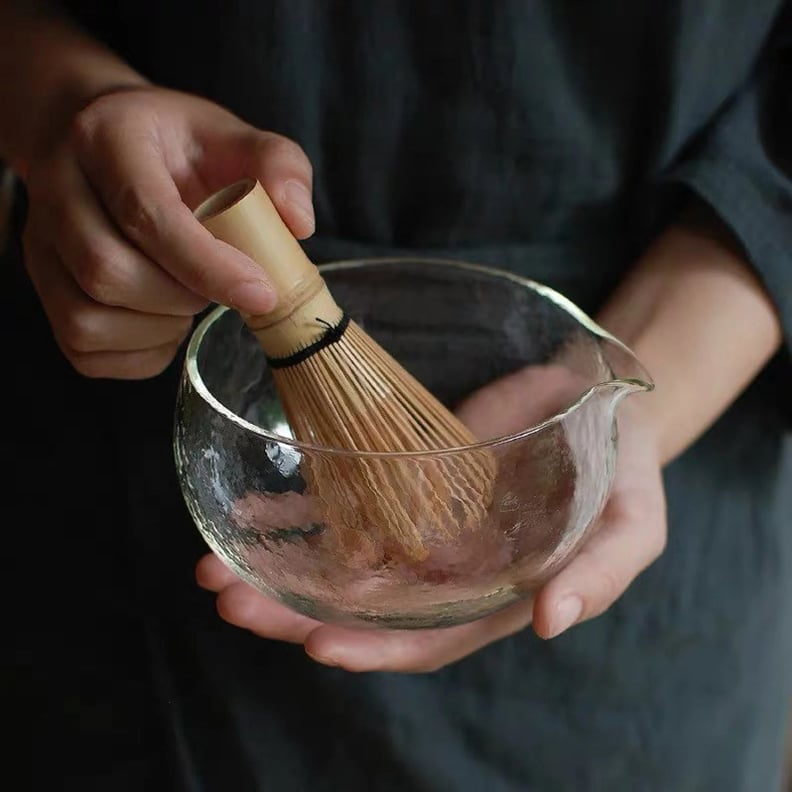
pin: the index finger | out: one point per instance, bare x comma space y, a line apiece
140, 194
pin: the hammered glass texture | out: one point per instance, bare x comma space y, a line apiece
458, 329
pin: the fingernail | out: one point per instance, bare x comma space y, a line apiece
254, 296
323, 659
299, 196
567, 612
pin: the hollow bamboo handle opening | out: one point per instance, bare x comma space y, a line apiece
243, 216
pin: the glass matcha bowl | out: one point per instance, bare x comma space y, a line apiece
535, 379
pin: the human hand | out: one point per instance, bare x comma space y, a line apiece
631, 534
119, 262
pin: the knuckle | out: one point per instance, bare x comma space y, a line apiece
97, 116
227, 606
84, 125
77, 332
285, 150
139, 217
98, 273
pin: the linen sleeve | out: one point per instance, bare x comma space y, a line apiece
742, 167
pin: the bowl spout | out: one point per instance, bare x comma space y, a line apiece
628, 374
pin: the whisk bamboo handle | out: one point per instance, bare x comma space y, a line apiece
243, 216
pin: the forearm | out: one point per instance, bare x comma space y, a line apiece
49, 70
697, 316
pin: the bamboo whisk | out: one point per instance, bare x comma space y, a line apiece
340, 389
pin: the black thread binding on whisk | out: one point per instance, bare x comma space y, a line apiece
330, 336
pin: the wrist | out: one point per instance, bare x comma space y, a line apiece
698, 318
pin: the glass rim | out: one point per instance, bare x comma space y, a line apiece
629, 384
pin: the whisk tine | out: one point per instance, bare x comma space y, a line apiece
341, 390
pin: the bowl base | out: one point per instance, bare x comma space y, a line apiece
441, 615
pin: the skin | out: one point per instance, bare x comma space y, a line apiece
114, 165
111, 245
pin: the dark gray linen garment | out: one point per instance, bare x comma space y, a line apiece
552, 138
